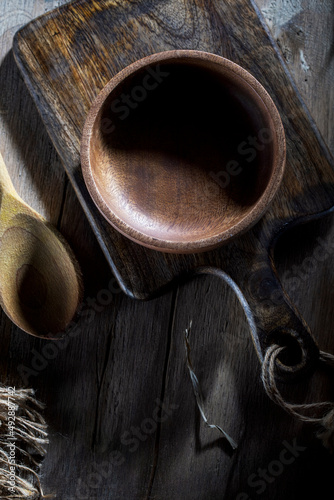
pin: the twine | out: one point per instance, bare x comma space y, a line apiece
30, 433
321, 413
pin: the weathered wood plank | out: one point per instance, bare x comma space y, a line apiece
107, 379
304, 33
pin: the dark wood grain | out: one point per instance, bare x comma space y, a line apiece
106, 379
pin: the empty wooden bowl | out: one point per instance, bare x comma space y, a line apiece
183, 150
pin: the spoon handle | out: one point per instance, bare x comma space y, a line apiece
6, 185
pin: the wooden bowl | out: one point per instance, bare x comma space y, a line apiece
182, 151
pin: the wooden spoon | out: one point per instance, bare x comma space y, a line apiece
40, 279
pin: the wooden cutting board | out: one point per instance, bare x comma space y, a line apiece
68, 55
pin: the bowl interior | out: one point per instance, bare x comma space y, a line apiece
180, 153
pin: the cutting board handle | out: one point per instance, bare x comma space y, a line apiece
272, 317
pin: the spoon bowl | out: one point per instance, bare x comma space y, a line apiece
40, 279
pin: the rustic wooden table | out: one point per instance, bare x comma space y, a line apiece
106, 387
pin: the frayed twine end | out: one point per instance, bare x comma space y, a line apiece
327, 435
23, 440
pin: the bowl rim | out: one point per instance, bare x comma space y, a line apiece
198, 244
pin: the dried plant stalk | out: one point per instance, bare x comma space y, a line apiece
198, 392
